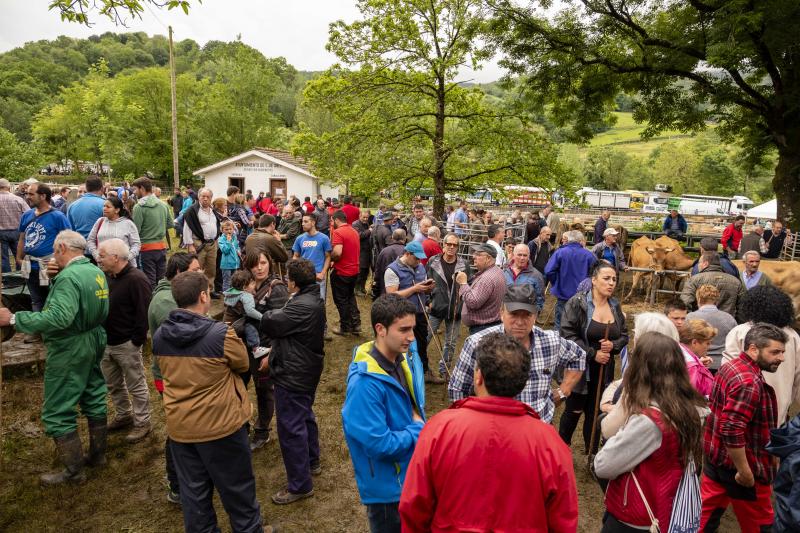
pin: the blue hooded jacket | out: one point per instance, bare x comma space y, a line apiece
682, 225
378, 423
785, 443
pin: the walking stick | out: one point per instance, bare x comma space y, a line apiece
2, 433
428, 320
589, 451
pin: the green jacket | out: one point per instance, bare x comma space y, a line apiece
161, 304
152, 218
74, 312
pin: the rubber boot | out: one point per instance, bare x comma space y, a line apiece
98, 437
70, 452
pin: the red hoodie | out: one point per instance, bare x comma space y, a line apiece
489, 464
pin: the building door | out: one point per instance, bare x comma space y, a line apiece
237, 182
278, 188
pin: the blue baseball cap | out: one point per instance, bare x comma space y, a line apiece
414, 247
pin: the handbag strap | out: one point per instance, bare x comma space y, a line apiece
653, 519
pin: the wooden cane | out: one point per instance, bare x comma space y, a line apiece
597, 399
2, 433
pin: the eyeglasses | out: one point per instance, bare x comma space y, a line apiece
451, 244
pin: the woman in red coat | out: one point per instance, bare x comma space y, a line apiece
663, 431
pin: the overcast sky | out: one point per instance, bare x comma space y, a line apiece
294, 29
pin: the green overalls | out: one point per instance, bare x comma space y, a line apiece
71, 324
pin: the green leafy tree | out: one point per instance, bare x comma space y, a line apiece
730, 61
18, 160
117, 10
404, 121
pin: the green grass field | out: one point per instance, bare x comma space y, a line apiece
625, 136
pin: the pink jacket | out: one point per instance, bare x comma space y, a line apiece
699, 375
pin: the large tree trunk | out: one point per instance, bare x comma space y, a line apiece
438, 154
786, 185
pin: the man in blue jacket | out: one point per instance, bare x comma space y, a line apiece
567, 267
674, 225
383, 410
84, 212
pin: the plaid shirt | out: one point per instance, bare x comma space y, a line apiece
11, 209
484, 297
548, 352
743, 410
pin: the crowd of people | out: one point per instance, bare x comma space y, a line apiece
682, 418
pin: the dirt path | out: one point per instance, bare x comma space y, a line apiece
129, 495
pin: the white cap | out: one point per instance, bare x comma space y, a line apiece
610, 231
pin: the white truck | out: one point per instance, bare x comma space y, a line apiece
605, 199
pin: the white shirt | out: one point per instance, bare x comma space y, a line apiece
208, 221
500, 260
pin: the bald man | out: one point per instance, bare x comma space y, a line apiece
520, 271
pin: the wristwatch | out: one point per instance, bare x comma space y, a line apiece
561, 394
13, 320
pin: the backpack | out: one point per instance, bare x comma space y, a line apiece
685, 516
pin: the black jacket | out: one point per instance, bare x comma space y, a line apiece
386, 258
443, 300
129, 298
365, 235
296, 360
574, 324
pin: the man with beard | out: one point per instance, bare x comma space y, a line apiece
738, 470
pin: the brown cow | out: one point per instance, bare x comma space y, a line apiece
784, 274
663, 253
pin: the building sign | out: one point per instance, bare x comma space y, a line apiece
254, 166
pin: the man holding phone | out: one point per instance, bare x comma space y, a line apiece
406, 278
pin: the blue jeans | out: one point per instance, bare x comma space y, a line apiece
451, 331
226, 278
559, 310
384, 517
8, 240
38, 292
251, 337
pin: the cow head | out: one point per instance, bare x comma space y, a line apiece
658, 255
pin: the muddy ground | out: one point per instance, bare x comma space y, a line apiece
129, 494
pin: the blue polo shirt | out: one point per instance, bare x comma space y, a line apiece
84, 212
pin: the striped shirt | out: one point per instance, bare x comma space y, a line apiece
549, 353
483, 298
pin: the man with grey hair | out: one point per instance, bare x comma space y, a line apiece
200, 234
12, 207
126, 331
431, 245
751, 276
567, 267
72, 326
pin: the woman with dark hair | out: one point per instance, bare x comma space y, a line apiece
646, 459
769, 304
271, 293
595, 321
114, 224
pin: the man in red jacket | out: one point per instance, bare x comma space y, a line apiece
732, 236
488, 463
351, 212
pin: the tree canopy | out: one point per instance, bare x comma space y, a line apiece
733, 62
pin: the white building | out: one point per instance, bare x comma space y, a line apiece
265, 170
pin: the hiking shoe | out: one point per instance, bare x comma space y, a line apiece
120, 422
328, 336
138, 433
339, 331
316, 469
284, 497
259, 441
173, 497
430, 377
356, 332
